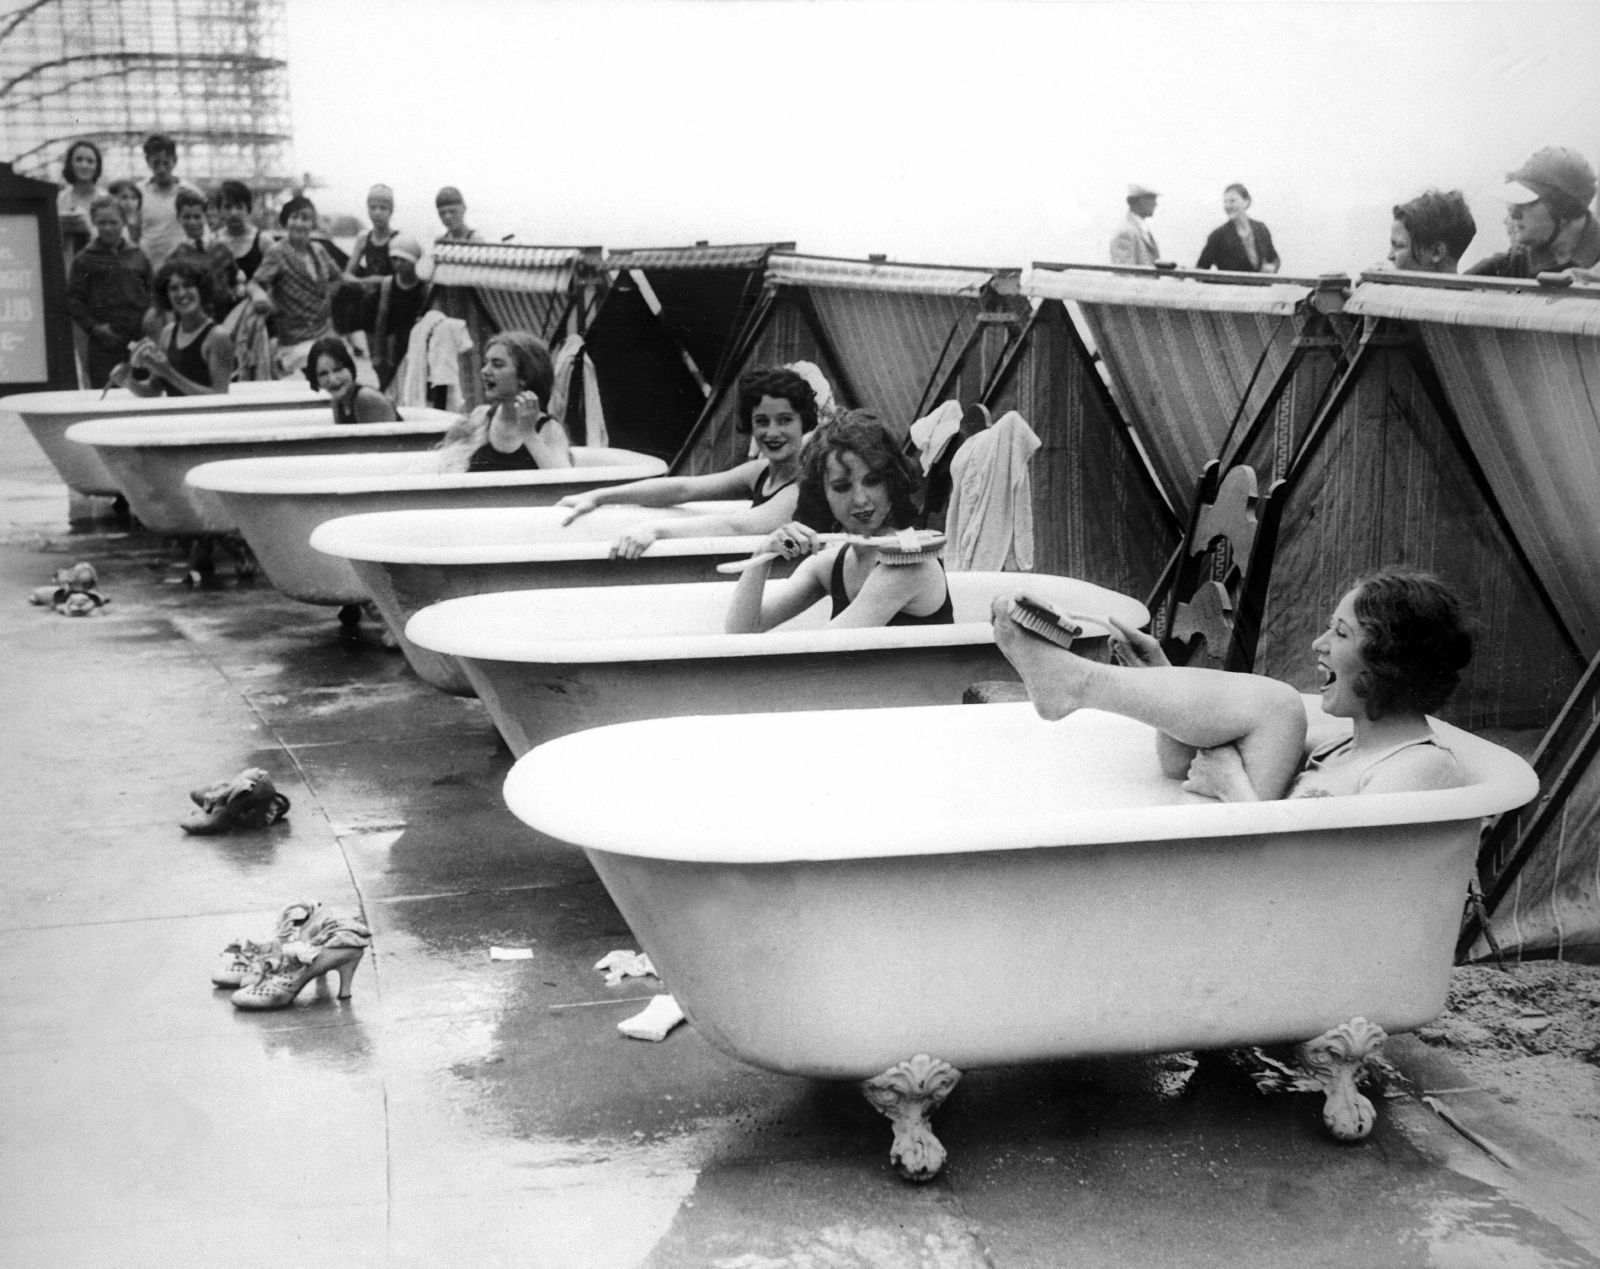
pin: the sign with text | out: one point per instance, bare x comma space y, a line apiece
22, 324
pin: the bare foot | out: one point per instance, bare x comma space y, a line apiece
1057, 680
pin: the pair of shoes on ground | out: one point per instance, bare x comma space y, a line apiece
307, 944
249, 800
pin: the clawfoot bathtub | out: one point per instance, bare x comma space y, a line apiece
877, 930
277, 502
408, 560
48, 415
149, 458
550, 662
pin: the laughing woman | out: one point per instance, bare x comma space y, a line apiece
778, 409
1393, 651
331, 368
510, 431
192, 356
869, 485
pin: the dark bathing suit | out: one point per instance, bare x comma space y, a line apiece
758, 491
943, 615
189, 362
487, 458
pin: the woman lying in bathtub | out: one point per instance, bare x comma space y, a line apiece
777, 408
856, 466
510, 431
1393, 651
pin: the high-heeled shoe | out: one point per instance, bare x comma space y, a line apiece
284, 976
238, 959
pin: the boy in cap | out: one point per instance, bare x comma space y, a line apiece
402, 298
1134, 243
1552, 228
453, 215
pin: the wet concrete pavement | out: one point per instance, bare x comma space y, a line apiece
463, 1111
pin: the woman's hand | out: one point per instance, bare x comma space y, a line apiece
634, 543
1134, 648
155, 361
525, 408
791, 541
580, 504
1219, 773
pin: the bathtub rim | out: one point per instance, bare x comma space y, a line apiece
449, 627
233, 476
241, 426
1507, 782
43, 405
360, 537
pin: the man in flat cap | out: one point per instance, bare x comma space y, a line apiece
1134, 243
1552, 229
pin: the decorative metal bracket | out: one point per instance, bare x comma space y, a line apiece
1334, 1064
907, 1094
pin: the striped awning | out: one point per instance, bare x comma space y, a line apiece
510, 266
784, 269
702, 256
1096, 287
1567, 311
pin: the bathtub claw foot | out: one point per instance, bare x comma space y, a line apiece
1333, 1064
1335, 1060
908, 1093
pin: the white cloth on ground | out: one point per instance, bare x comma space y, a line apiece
657, 1018
931, 433
990, 522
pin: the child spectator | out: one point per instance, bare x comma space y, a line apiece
402, 299
161, 229
108, 290
131, 199
216, 259
453, 216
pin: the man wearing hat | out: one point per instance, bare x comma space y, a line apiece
1134, 243
453, 215
1551, 226
402, 298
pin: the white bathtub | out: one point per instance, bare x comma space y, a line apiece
48, 415
148, 458
407, 560
278, 502
550, 662
978, 887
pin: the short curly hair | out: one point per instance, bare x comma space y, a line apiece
1415, 641
197, 275
864, 434
775, 381
328, 346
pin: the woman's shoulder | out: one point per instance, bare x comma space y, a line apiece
1414, 768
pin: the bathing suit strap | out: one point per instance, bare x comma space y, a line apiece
841, 601
759, 493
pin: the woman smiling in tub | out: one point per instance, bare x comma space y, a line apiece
1393, 651
777, 408
870, 488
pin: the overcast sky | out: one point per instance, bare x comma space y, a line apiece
966, 132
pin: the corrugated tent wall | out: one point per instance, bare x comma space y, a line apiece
1097, 513
1520, 365
1391, 482
1182, 352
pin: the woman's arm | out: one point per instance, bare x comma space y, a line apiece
1264, 248
666, 491
549, 445
1208, 253
754, 609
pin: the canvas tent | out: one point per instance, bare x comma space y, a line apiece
664, 332
1520, 366
893, 337
493, 286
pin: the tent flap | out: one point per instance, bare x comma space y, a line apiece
1160, 292
873, 275
1552, 311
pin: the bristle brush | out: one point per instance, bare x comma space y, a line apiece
907, 546
1046, 621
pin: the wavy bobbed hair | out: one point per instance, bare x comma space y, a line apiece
864, 434
1415, 640
776, 381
